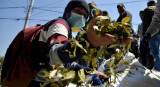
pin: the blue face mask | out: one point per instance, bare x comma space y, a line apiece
76, 20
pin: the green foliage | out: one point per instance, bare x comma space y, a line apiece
104, 25
61, 77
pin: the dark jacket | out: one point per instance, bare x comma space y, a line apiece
123, 15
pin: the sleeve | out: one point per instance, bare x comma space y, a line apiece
155, 24
138, 28
138, 31
56, 33
129, 15
64, 56
75, 66
57, 51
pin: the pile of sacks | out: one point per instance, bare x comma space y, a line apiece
130, 74
133, 74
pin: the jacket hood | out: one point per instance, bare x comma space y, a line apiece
76, 3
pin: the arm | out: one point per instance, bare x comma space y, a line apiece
130, 15
57, 52
104, 40
155, 24
138, 35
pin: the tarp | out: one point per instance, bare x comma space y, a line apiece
131, 74
134, 74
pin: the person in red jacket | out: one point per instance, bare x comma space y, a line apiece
75, 15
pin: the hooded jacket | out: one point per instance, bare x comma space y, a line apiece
21, 69
59, 32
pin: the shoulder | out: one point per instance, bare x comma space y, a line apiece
149, 9
53, 27
140, 24
128, 13
152, 7
60, 22
59, 26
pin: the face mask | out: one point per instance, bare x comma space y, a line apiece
76, 20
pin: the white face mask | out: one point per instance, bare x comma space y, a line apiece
76, 20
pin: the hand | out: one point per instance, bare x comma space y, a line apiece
146, 39
94, 39
99, 74
104, 40
126, 40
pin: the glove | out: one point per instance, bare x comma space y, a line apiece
95, 81
75, 66
146, 39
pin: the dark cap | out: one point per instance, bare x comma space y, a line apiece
121, 5
76, 3
151, 3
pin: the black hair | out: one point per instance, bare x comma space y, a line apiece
105, 12
141, 12
121, 5
151, 3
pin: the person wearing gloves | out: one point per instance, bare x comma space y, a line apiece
76, 14
152, 36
